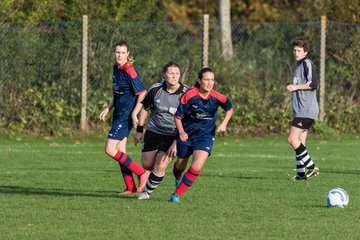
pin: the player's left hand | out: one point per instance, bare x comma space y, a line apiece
291, 87
221, 128
172, 151
138, 137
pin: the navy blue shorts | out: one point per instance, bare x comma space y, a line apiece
185, 149
120, 129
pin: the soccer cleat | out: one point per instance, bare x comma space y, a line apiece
144, 196
175, 198
312, 172
143, 180
299, 178
177, 182
127, 192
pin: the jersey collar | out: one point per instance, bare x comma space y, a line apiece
178, 91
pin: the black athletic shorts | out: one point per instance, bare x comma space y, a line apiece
303, 123
154, 141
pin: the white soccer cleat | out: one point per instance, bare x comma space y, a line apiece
144, 196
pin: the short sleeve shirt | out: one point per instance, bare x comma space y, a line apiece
304, 102
127, 85
163, 106
199, 115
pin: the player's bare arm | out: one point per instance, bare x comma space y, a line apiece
142, 117
292, 87
182, 134
223, 124
106, 110
135, 112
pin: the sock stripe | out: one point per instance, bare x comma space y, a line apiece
153, 182
127, 162
193, 172
186, 181
301, 155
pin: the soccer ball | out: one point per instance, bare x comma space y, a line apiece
337, 198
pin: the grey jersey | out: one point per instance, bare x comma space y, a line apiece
163, 106
304, 102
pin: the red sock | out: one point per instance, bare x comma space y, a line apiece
177, 173
186, 182
128, 178
125, 160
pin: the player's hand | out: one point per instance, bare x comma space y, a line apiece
172, 151
138, 137
221, 128
291, 87
183, 136
103, 114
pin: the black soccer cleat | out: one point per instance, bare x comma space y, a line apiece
312, 172
299, 178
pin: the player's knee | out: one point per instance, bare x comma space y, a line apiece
290, 140
147, 165
110, 151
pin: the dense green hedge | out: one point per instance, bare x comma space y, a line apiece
40, 71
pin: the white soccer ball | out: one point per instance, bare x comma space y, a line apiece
337, 198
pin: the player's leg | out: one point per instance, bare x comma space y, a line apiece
295, 141
150, 149
178, 169
199, 159
156, 175
119, 132
111, 147
297, 138
202, 150
161, 163
184, 150
148, 159
303, 137
312, 170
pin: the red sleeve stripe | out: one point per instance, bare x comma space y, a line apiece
131, 71
218, 96
177, 117
138, 93
189, 94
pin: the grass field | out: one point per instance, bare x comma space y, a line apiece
66, 189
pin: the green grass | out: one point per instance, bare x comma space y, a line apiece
66, 189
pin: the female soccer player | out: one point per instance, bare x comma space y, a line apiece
195, 120
305, 108
159, 146
128, 91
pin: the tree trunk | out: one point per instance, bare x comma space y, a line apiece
225, 25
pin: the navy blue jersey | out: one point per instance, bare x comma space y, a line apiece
127, 85
198, 115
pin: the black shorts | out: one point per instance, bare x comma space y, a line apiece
302, 123
154, 141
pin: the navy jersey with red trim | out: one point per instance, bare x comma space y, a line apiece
198, 115
127, 85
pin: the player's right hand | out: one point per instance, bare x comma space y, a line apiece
103, 114
138, 137
183, 136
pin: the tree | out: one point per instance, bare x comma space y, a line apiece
225, 26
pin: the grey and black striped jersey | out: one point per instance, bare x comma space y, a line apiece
163, 106
304, 102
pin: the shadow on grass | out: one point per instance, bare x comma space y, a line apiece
57, 192
232, 176
354, 172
